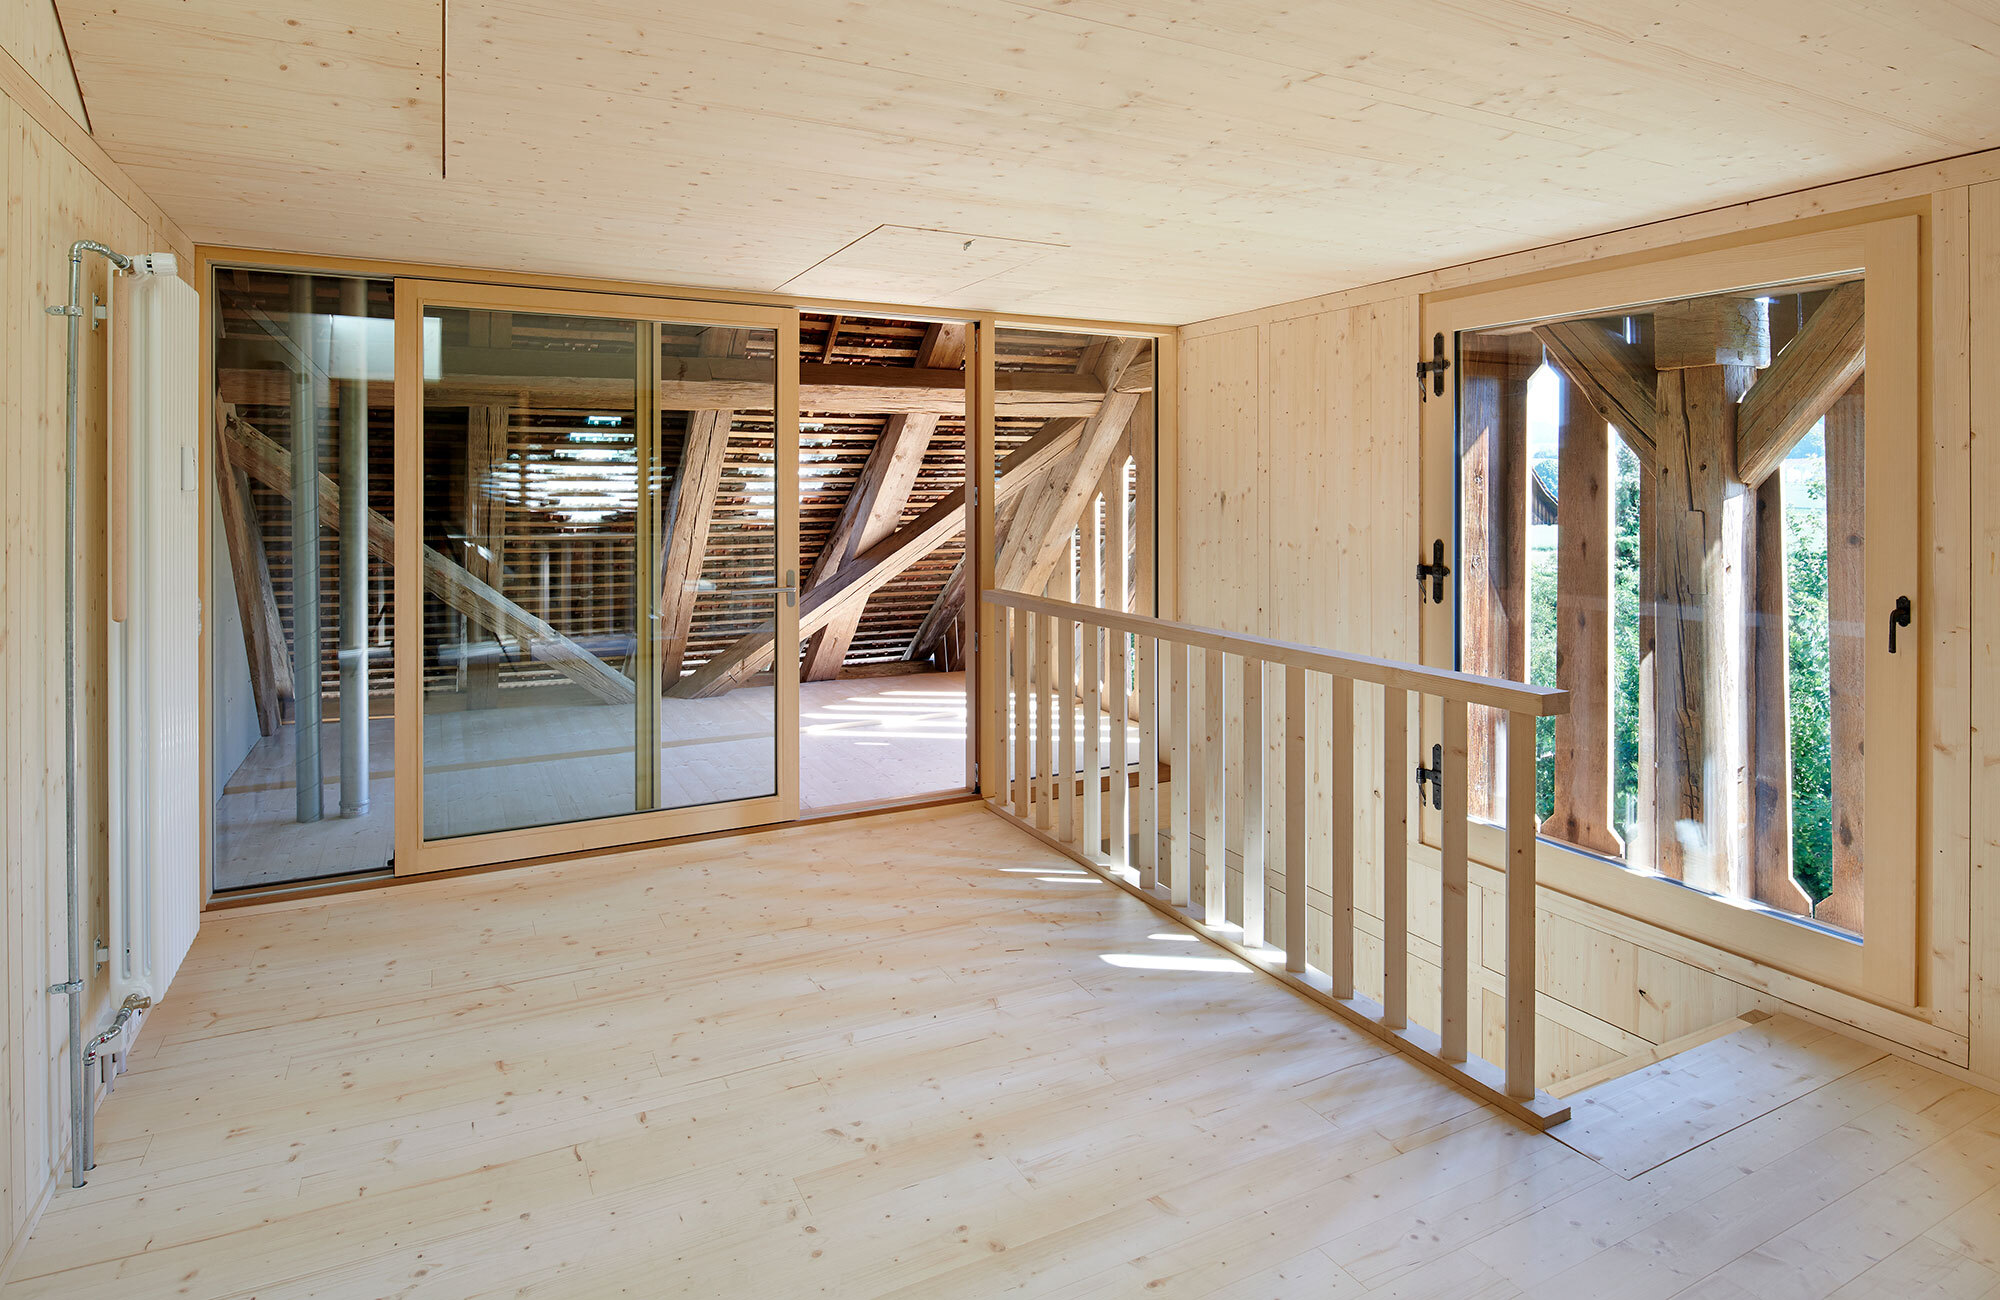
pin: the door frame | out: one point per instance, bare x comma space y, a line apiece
417, 855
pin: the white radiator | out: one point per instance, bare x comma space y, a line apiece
154, 633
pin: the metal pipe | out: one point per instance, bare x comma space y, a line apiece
80, 1157
305, 557
134, 1004
353, 549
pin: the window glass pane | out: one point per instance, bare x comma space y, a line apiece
1661, 513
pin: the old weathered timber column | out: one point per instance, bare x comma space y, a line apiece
1707, 352
1586, 491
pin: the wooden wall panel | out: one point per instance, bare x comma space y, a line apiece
54, 198
1335, 439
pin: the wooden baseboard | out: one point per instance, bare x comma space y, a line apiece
28, 1225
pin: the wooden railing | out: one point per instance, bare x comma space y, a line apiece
1072, 780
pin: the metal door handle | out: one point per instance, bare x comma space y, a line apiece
1898, 617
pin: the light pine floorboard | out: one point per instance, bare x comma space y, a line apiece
909, 1056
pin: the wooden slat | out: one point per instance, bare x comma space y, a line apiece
1396, 783
1512, 696
1180, 773
1117, 708
1454, 939
1296, 910
1251, 774
1213, 742
1020, 642
1093, 745
1046, 684
1520, 908
1147, 828
1065, 687
1801, 384
1340, 750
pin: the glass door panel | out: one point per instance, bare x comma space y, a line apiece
601, 606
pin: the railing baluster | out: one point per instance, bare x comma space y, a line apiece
1521, 818
1451, 914
1340, 796
1253, 802
1180, 775
1149, 765
1022, 646
1396, 780
1045, 722
1295, 819
1065, 684
1118, 821
998, 786
1215, 795
1093, 751
1059, 676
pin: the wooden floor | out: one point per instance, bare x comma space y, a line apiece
914, 1056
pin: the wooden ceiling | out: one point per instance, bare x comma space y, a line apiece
1162, 161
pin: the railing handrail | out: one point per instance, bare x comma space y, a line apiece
1493, 692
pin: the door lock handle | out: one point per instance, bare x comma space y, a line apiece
1898, 617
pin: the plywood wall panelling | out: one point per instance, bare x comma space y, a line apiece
54, 198
31, 31
1984, 337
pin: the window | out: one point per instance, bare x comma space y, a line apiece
1677, 508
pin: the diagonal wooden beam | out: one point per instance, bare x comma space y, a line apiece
1614, 377
875, 506
1043, 521
1801, 384
270, 464
690, 510
859, 578
249, 568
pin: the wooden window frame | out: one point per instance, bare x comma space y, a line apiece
417, 854
1885, 251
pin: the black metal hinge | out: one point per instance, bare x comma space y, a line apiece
1433, 776
1434, 573
1433, 369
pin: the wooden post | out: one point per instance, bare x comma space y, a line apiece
1148, 829
1847, 614
1180, 774
1396, 780
1340, 880
1214, 794
1697, 529
1520, 940
1454, 939
1252, 711
1021, 640
1769, 703
1586, 495
1295, 819
1065, 687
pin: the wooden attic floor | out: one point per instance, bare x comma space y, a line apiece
916, 1056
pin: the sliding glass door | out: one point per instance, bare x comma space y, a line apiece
599, 495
